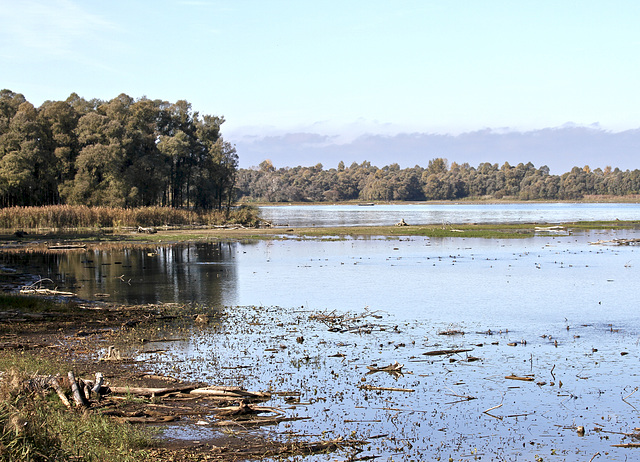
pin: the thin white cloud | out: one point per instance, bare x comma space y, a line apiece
51, 29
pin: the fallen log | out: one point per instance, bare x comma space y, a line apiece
446, 352
616, 242
451, 332
244, 409
395, 367
229, 392
150, 391
371, 387
78, 395
33, 291
515, 377
67, 246
58, 389
256, 421
98, 383
147, 419
148, 230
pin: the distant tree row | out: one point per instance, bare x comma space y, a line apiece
438, 181
122, 152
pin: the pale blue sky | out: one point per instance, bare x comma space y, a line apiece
338, 68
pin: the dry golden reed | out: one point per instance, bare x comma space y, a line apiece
79, 216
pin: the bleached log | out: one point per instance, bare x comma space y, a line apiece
515, 377
98, 383
78, 396
149, 391
56, 386
229, 392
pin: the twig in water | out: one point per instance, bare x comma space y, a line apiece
625, 398
492, 408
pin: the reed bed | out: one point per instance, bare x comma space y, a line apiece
80, 216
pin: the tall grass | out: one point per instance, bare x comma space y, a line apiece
79, 216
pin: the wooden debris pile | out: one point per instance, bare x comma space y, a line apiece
395, 369
229, 405
634, 241
37, 288
348, 323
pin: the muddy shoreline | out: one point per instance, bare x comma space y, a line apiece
80, 337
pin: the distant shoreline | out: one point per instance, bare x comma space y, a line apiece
594, 199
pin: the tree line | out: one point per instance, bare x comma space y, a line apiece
120, 153
438, 181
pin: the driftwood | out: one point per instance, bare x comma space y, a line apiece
149, 230
98, 383
32, 291
550, 228
229, 392
446, 352
451, 332
147, 419
149, 391
113, 354
80, 389
139, 416
55, 384
617, 242
244, 409
78, 394
394, 367
371, 387
515, 377
626, 445
256, 421
37, 289
67, 246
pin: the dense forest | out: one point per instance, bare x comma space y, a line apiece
119, 153
133, 153
438, 181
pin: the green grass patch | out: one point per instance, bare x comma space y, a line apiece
28, 304
35, 426
475, 231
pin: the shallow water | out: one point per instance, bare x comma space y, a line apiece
582, 296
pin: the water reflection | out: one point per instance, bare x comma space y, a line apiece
184, 273
535, 280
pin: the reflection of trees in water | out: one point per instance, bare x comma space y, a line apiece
202, 272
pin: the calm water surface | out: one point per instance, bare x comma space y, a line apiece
427, 213
569, 307
540, 279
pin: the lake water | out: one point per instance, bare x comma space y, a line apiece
428, 213
553, 307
